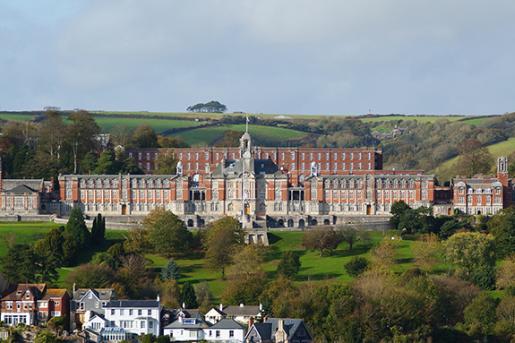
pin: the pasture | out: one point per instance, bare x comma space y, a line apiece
260, 133
419, 118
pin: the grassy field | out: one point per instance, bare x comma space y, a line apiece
22, 233
445, 170
314, 267
422, 119
270, 135
159, 125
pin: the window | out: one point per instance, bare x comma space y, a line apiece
130, 312
112, 311
149, 312
150, 325
139, 312
217, 333
142, 324
231, 333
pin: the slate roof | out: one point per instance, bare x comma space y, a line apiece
179, 324
233, 310
33, 184
227, 324
54, 293
268, 328
132, 303
36, 289
101, 293
21, 189
235, 167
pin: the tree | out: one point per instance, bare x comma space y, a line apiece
474, 159
46, 262
98, 230
324, 240
356, 266
245, 276
383, 256
502, 227
349, 235
167, 233
45, 336
480, 316
289, 265
211, 106
204, 296
455, 295
170, 271
106, 163
427, 251
76, 235
223, 236
80, 135
88, 163
18, 264
56, 324
188, 296
506, 275
91, 276
398, 209
230, 138
169, 293
144, 137
51, 134
165, 164
505, 314
473, 254
171, 142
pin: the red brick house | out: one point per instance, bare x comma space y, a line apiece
33, 304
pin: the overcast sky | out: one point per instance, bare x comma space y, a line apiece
263, 56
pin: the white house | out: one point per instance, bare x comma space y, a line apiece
96, 323
243, 314
134, 316
186, 329
226, 330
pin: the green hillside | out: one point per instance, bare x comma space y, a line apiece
422, 119
265, 134
445, 170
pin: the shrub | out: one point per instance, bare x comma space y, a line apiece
356, 266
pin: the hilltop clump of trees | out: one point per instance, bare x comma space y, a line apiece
209, 107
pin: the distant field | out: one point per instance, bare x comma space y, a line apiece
271, 135
159, 125
477, 121
445, 170
22, 233
422, 119
16, 116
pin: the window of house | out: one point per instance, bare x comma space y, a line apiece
112, 311
231, 333
149, 312
150, 325
217, 333
139, 312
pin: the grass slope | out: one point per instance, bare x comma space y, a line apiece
445, 170
422, 119
267, 134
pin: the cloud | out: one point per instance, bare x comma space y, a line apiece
292, 56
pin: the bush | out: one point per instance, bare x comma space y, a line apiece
356, 266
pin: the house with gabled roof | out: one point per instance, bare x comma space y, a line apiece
186, 329
33, 304
88, 302
279, 330
241, 313
226, 330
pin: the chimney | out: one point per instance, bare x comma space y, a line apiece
251, 322
221, 307
280, 325
183, 305
260, 307
158, 298
241, 305
74, 287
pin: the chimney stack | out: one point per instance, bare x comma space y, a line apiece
221, 307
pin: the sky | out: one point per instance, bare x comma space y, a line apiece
260, 56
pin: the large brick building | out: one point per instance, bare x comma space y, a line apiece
261, 186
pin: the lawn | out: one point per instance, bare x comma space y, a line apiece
314, 267
446, 171
264, 134
22, 233
16, 116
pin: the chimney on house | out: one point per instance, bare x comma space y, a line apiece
251, 322
260, 307
158, 298
221, 307
74, 284
280, 325
241, 305
183, 305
